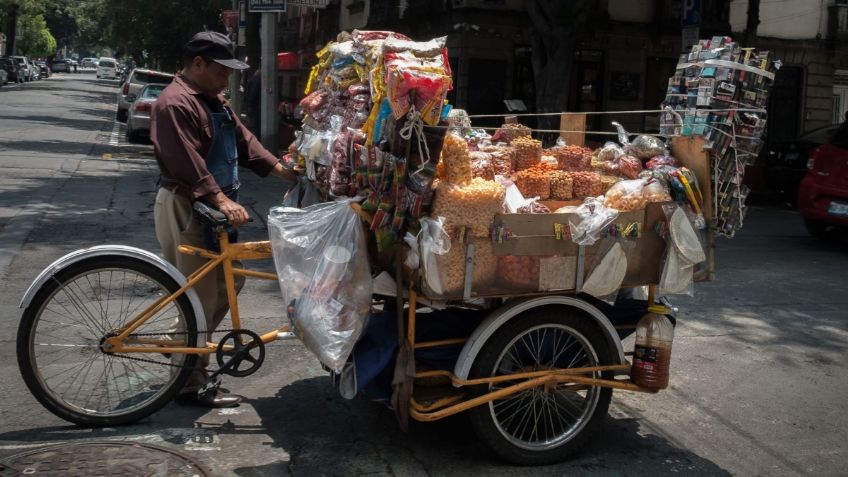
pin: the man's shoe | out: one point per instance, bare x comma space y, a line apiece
218, 400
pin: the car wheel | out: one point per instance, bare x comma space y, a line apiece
820, 230
122, 115
132, 136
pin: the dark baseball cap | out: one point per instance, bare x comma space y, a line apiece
215, 46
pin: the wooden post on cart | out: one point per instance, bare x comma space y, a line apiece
690, 152
572, 127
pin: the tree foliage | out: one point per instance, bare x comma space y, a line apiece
34, 37
152, 32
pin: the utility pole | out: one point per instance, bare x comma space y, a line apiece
235, 78
270, 127
752, 22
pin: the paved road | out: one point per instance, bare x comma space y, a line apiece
756, 387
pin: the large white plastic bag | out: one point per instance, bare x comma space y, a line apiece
322, 264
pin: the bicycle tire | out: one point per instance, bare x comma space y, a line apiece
549, 331
79, 311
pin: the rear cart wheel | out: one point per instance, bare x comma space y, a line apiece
545, 424
61, 334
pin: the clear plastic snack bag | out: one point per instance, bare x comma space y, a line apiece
592, 218
646, 147
322, 266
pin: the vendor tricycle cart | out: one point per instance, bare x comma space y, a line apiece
109, 335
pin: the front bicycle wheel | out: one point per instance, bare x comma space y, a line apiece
62, 330
545, 424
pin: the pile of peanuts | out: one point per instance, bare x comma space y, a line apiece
452, 267
574, 158
481, 165
473, 205
519, 272
609, 181
534, 182
528, 152
457, 164
501, 159
534, 207
561, 185
587, 184
510, 132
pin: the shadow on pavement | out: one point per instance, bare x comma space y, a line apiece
327, 435
64, 122
52, 146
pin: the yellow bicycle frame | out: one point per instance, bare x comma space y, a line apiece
122, 342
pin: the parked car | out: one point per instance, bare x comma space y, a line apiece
61, 66
823, 193
107, 68
138, 116
89, 63
45, 70
23, 65
4, 77
137, 79
10, 66
786, 162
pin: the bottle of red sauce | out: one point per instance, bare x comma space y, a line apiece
652, 353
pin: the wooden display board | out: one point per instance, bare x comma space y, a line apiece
572, 128
691, 153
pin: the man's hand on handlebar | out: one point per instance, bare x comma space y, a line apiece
235, 213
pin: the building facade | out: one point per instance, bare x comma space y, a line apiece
621, 62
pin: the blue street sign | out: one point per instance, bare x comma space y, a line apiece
691, 15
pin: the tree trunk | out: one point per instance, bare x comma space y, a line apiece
12, 29
752, 23
556, 26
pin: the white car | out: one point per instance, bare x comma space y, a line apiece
137, 79
107, 68
138, 118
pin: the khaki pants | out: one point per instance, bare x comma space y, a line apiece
176, 225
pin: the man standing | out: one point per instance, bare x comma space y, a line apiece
199, 144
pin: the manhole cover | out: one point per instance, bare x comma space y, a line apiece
102, 459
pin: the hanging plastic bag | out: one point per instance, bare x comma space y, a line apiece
592, 218
433, 240
677, 275
322, 266
646, 147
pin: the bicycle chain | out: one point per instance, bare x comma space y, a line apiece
143, 360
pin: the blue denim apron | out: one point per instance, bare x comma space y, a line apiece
222, 163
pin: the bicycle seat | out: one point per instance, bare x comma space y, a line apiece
210, 216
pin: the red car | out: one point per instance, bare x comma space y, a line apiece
823, 194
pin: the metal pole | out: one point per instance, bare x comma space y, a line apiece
268, 34
235, 78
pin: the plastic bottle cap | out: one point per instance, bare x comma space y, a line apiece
659, 309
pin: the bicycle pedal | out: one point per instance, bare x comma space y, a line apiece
211, 386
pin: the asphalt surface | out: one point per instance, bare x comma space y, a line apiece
757, 385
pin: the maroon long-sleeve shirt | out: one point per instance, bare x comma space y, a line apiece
181, 132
